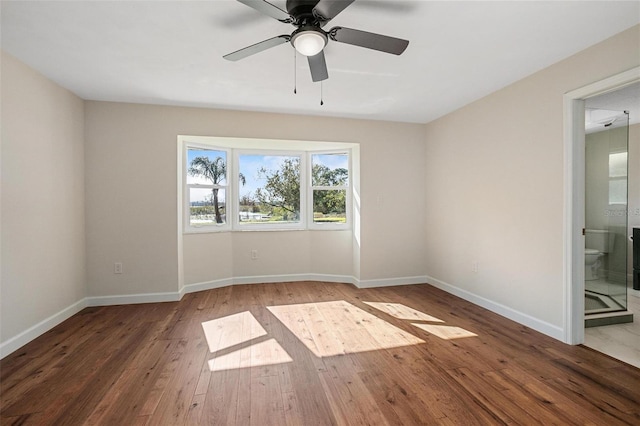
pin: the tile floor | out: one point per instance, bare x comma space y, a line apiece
621, 341
617, 291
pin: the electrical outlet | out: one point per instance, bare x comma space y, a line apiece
117, 268
474, 266
254, 254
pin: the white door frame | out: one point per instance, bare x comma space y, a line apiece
574, 198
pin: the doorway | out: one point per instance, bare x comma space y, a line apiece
574, 206
609, 279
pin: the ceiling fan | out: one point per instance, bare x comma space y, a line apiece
309, 39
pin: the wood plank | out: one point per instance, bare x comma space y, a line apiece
163, 377
195, 409
398, 404
491, 399
174, 404
349, 399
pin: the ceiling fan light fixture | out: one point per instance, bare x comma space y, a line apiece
309, 42
308, 17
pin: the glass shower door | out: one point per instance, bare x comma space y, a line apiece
606, 211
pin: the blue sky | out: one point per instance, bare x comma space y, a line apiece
249, 166
333, 161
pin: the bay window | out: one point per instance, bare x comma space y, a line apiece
227, 188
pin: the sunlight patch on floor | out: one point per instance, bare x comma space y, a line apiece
446, 332
268, 352
325, 328
239, 330
401, 311
338, 327
404, 312
231, 330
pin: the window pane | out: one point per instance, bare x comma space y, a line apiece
207, 206
330, 169
206, 166
618, 164
269, 189
330, 206
618, 191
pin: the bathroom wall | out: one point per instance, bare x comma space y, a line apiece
597, 178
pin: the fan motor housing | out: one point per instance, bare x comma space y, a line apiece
302, 12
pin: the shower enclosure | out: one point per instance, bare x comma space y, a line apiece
606, 171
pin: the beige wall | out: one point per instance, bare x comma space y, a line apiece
222, 256
495, 185
131, 159
43, 250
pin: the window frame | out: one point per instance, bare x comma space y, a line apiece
311, 188
215, 227
265, 226
619, 178
234, 148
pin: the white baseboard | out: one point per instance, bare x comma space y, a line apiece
39, 329
261, 279
517, 316
388, 282
292, 278
206, 285
131, 299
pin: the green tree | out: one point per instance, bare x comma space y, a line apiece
248, 204
282, 187
214, 171
329, 201
322, 175
247, 201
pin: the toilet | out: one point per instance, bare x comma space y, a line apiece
591, 264
596, 247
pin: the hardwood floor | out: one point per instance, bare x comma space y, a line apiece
310, 353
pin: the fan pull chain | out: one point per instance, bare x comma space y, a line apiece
295, 72
321, 90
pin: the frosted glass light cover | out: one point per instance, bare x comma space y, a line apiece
309, 43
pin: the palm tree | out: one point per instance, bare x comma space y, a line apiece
215, 171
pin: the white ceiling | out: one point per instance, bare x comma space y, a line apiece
610, 106
624, 99
170, 52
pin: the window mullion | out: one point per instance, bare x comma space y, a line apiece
309, 192
305, 180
